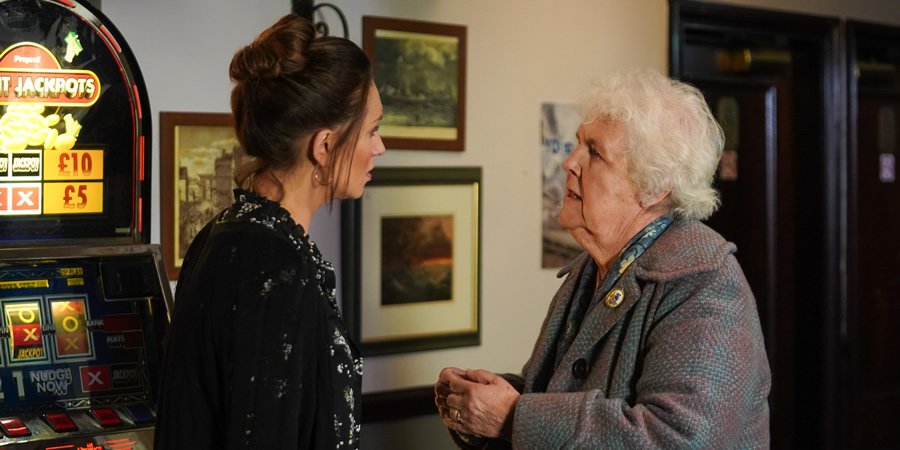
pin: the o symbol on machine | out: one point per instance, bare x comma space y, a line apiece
22, 315
73, 327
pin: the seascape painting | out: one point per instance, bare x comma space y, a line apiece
416, 259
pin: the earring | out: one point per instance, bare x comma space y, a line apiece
316, 177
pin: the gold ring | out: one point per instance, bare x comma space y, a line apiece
457, 416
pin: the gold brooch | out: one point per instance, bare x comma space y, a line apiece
614, 298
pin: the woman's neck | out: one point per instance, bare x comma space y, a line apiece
606, 245
297, 192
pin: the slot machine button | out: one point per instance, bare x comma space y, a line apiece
139, 413
106, 417
14, 427
60, 422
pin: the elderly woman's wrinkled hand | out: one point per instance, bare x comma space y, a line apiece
476, 402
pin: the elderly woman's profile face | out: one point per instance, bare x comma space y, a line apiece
601, 203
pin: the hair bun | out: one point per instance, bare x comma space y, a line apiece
281, 49
254, 62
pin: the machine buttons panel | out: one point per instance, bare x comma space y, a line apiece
138, 413
106, 417
60, 422
14, 427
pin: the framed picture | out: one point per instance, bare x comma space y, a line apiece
420, 71
198, 154
411, 251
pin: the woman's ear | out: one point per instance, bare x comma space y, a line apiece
321, 145
650, 202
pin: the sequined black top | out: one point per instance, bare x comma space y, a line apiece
257, 354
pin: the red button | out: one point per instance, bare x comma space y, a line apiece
60, 422
14, 427
106, 417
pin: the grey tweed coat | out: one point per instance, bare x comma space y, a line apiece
680, 363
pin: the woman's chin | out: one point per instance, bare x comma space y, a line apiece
568, 222
356, 193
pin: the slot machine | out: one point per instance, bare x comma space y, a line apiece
83, 298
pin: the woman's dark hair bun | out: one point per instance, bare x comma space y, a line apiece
281, 49
289, 84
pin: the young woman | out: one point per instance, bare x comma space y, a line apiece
257, 354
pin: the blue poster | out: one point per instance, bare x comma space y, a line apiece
559, 124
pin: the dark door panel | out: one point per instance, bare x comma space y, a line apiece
874, 300
770, 78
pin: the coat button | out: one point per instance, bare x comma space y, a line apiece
615, 298
580, 368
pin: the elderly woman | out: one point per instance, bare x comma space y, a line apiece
654, 339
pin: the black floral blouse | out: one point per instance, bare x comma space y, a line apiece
257, 355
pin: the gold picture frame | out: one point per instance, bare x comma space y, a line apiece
198, 154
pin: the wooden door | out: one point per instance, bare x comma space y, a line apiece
873, 390
769, 77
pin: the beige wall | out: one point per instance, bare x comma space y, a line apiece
521, 53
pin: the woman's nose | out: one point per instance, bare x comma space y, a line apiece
571, 164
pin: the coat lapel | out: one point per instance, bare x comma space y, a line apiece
598, 322
540, 367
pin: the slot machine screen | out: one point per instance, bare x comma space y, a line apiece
96, 346
83, 299
71, 143
80, 341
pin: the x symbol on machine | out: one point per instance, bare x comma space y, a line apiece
72, 343
29, 334
25, 197
95, 376
67, 306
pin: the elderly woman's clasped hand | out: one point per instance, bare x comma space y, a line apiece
476, 402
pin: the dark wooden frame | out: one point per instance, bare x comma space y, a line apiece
371, 24
398, 404
351, 245
167, 178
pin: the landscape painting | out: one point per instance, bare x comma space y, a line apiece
416, 259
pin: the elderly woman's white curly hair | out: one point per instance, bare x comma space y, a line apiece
672, 141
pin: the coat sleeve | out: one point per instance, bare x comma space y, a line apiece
701, 377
